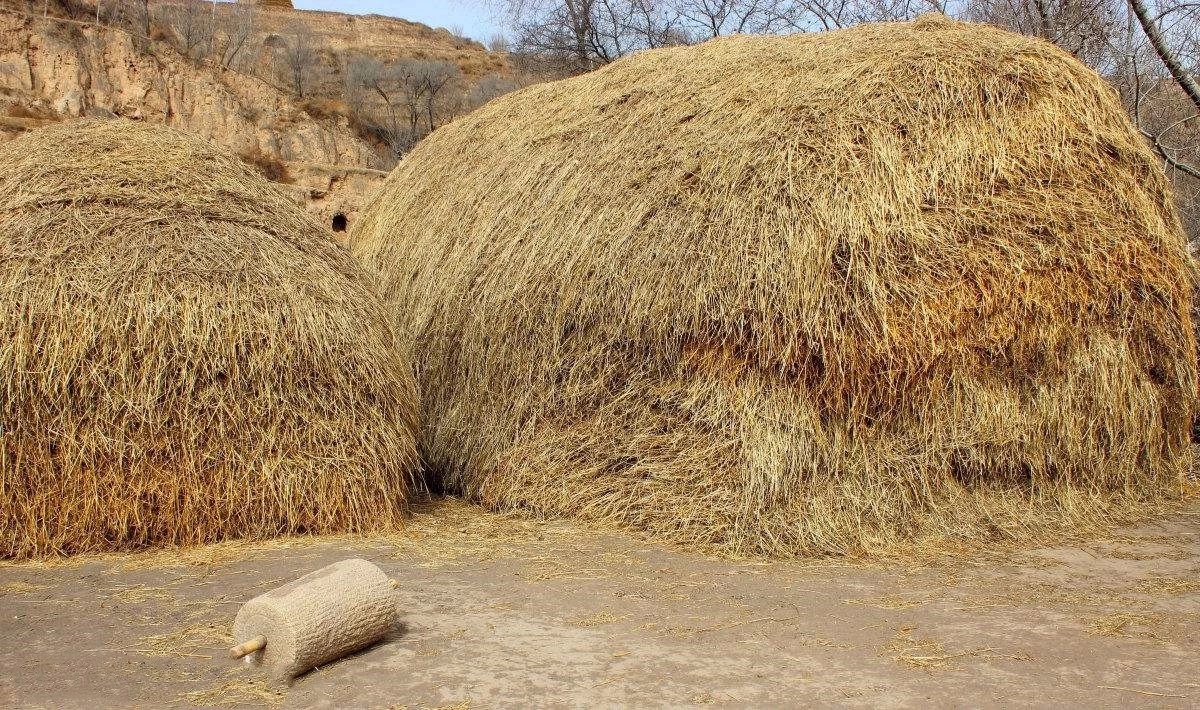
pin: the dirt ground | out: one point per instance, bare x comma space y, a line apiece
503, 612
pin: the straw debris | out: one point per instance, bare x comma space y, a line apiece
188, 642
1168, 586
184, 357
20, 588
902, 285
1128, 625
236, 691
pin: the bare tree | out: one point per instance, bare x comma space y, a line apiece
301, 60
190, 24
564, 32
234, 32
714, 18
580, 35
498, 43
1082, 27
388, 97
138, 14
488, 88
806, 15
435, 78
407, 77
403, 100
1182, 122
1149, 25
355, 81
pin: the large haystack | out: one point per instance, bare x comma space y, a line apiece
828, 293
184, 357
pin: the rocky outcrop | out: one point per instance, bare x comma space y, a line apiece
79, 69
55, 64
52, 68
385, 38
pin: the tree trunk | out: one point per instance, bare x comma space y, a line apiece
1184, 79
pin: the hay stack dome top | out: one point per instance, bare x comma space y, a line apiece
817, 293
186, 357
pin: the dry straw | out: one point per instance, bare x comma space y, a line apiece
823, 294
184, 356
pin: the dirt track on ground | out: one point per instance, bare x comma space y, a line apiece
502, 612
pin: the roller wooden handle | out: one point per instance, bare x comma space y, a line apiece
244, 649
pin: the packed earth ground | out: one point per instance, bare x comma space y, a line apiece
501, 611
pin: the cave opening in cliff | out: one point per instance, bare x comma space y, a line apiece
339, 222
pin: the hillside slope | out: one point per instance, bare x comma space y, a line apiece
60, 66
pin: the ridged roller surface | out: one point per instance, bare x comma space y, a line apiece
318, 618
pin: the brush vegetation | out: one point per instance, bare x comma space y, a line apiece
832, 293
184, 356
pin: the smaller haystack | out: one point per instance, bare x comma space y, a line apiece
184, 356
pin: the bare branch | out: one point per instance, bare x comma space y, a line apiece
1169, 60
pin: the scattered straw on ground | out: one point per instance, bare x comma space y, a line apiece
1169, 586
919, 652
892, 601
1141, 691
142, 593
187, 642
1062, 595
1128, 625
449, 530
600, 618
236, 689
928, 653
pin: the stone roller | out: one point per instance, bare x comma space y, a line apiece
316, 619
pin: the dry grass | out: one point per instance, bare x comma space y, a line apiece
911, 285
235, 690
1059, 595
211, 556
188, 641
16, 110
892, 601
920, 652
1128, 625
929, 653
185, 358
447, 531
1169, 586
439, 533
601, 618
269, 164
325, 109
142, 593
20, 588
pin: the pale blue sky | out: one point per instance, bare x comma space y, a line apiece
472, 15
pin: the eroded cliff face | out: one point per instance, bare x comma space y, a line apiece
385, 38
55, 69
